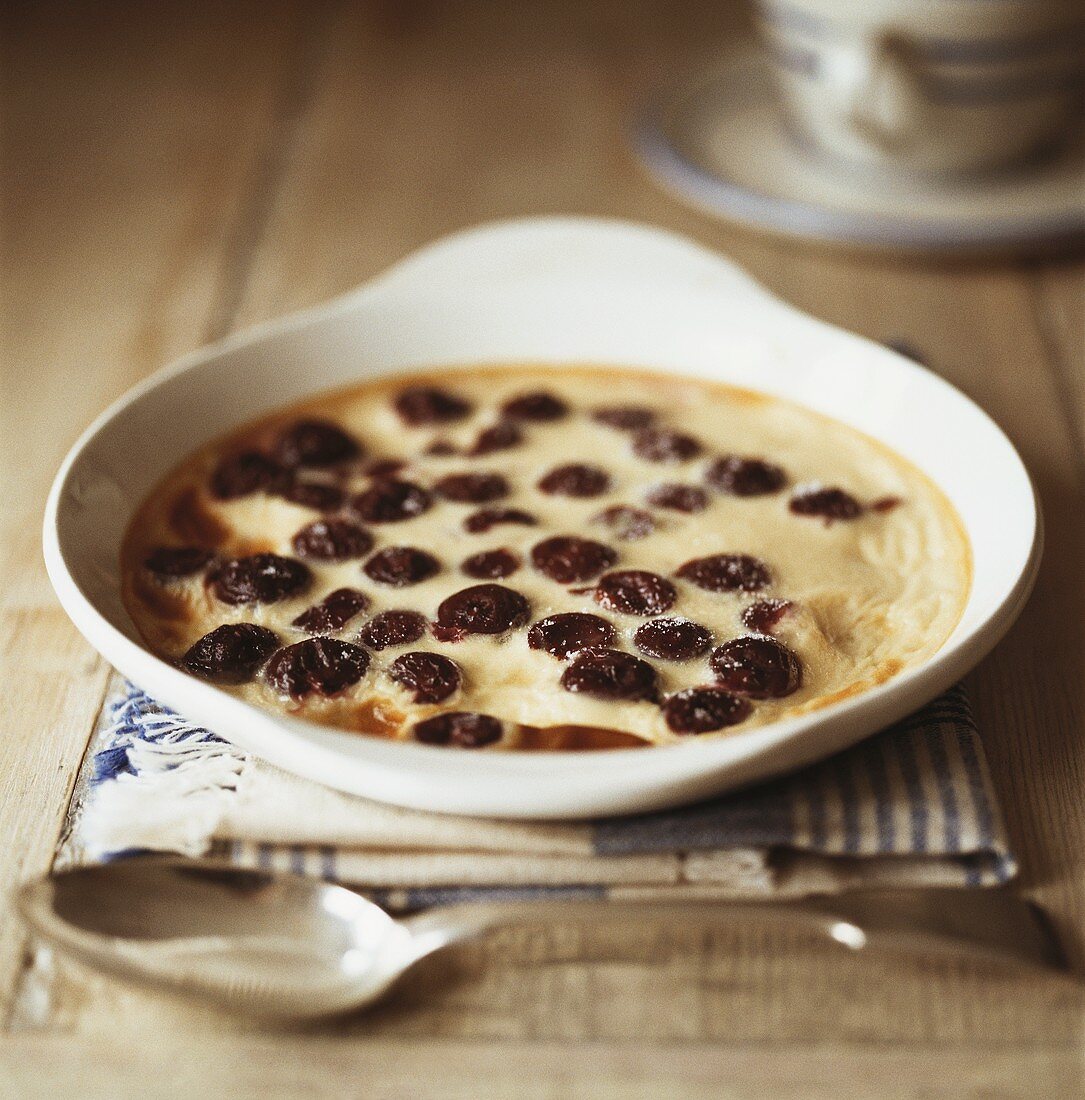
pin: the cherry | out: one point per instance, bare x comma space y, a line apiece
429, 677
704, 709
624, 418
491, 564
482, 609
672, 639
727, 573
677, 498
625, 523
635, 592
610, 674
576, 479
314, 443
535, 406
321, 666
459, 728
662, 445
745, 477
332, 540
569, 632
568, 559
389, 500
471, 488
757, 666
260, 578
333, 612
392, 628
169, 562
400, 566
428, 405
230, 654
828, 504
242, 474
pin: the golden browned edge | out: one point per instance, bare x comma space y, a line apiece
548, 739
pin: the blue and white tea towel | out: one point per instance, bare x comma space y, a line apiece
911, 806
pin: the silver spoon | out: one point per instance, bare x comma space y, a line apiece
280, 945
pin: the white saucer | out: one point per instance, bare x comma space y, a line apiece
722, 144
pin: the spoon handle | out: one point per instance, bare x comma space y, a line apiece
991, 925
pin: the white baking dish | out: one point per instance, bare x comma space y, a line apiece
547, 290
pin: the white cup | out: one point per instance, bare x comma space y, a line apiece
929, 86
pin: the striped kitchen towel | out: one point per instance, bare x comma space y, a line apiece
910, 806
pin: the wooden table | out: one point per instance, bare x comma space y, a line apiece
178, 171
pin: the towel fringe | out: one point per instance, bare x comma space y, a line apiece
172, 783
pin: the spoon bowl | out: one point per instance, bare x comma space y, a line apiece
267, 944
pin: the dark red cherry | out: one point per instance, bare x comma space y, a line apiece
230, 654
757, 666
428, 405
479, 522
635, 592
318, 495
568, 559
763, 615
672, 639
242, 474
260, 578
610, 674
389, 500
540, 406
569, 632
483, 609
745, 477
827, 504
626, 524
332, 540
314, 443
471, 488
429, 677
400, 566
624, 418
500, 437
169, 562
576, 479
491, 564
392, 628
727, 573
320, 666
461, 729
661, 445
704, 709
677, 498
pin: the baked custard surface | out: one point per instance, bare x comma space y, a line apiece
545, 557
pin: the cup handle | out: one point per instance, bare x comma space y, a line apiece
886, 102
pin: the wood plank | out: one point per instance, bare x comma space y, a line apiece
126, 188
657, 984
1059, 299
288, 1065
